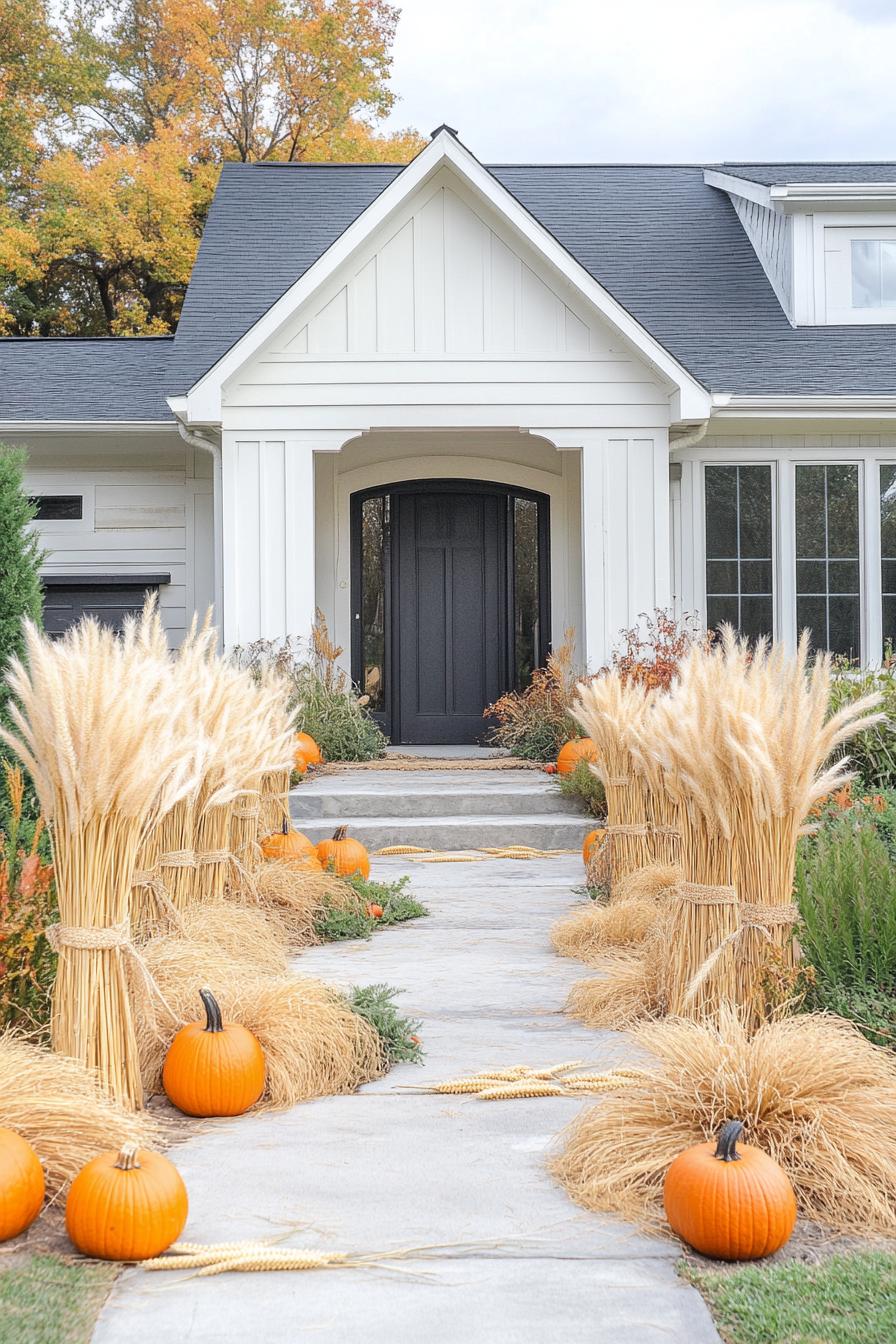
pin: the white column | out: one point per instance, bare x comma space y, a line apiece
268, 536
625, 533
592, 640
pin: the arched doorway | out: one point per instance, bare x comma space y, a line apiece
450, 602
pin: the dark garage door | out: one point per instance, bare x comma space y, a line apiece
109, 599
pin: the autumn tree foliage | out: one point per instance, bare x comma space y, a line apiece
115, 119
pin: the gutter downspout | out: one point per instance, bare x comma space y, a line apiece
197, 441
689, 438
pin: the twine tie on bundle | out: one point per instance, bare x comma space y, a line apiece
178, 858
762, 918
85, 938
627, 828
213, 856
695, 894
767, 917
618, 781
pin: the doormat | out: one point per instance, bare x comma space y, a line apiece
396, 762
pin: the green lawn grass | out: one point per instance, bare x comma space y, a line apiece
43, 1300
849, 1299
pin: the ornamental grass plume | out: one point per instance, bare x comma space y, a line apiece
58, 1106
746, 744
811, 1091
91, 722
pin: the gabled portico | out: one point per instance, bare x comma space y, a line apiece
445, 336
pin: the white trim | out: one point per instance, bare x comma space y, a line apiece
798, 196
203, 401
731, 406
738, 186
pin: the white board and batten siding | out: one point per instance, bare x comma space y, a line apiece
444, 320
147, 508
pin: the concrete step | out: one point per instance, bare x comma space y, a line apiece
539, 829
391, 795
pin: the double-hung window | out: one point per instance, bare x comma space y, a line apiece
739, 548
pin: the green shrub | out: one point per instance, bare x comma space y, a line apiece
376, 1004
872, 1010
846, 891
20, 560
336, 924
325, 702
584, 785
872, 753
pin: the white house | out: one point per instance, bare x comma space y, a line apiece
461, 408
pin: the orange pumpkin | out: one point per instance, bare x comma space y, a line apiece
129, 1205
292, 847
592, 841
727, 1203
373, 910
575, 750
212, 1069
344, 855
307, 750
550, 769
21, 1184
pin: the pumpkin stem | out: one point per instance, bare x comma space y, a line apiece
284, 826
213, 1020
340, 833
127, 1159
726, 1148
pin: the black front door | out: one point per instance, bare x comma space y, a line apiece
451, 628
450, 603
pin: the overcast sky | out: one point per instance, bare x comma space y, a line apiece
651, 80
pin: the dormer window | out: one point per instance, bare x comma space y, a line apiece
828, 248
858, 281
873, 273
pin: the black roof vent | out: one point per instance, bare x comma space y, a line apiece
444, 127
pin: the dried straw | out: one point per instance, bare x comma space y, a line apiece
810, 1090
295, 897
631, 988
93, 726
623, 922
256, 937
314, 1044
57, 1105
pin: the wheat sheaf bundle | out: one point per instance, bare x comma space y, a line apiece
92, 724
810, 1090
609, 709
745, 742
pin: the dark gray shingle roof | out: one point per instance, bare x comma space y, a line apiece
779, 174
666, 245
67, 378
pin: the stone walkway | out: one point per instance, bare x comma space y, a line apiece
387, 1168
